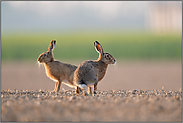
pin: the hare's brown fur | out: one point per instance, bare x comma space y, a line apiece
91, 72
55, 70
60, 71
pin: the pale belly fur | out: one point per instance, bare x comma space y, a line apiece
66, 82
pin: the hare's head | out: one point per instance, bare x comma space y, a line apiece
105, 57
47, 56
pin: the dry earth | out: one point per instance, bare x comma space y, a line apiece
130, 91
110, 105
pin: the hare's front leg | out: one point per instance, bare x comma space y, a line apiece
90, 90
95, 88
55, 89
78, 90
57, 86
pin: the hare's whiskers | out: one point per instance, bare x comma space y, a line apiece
38, 64
115, 66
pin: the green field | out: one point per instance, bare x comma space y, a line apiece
122, 45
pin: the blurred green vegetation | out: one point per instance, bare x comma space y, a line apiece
79, 45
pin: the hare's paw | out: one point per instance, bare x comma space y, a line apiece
95, 92
53, 90
85, 93
77, 91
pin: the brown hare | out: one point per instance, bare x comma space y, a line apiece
89, 73
55, 70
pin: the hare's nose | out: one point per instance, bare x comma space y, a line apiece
114, 61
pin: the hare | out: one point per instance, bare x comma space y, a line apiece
89, 73
55, 70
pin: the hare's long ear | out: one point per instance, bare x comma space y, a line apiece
51, 47
98, 47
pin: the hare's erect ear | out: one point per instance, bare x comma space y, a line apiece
51, 47
98, 47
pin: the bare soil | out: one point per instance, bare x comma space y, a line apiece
123, 75
110, 105
130, 91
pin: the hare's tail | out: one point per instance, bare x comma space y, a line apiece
83, 86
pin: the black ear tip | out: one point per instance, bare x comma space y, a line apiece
96, 42
54, 41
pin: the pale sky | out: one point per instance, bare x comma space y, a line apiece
72, 14
69, 15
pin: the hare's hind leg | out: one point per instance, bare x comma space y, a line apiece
95, 88
90, 90
57, 86
78, 90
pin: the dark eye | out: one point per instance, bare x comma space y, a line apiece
107, 55
44, 54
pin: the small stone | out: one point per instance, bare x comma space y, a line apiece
72, 98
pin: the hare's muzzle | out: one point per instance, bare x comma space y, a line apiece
39, 60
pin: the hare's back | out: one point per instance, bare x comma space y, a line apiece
61, 65
58, 69
86, 73
86, 67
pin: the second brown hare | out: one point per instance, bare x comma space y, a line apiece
89, 73
55, 70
